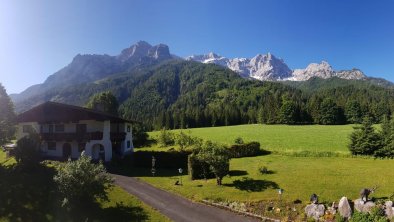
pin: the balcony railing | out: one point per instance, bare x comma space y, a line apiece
72, 136
118, 136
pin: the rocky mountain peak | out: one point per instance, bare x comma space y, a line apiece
160, 51
139, 49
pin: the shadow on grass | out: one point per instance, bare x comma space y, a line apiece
94, 212
251, 185
30, 194
237, 173
268, 172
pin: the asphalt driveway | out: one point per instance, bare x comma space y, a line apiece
175, 207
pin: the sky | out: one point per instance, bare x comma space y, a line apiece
37, 38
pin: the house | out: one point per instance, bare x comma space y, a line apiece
67, 130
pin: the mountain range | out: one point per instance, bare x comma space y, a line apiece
154, 82
268, 67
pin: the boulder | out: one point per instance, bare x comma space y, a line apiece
363, 207
389, 209
315, 211
344, 208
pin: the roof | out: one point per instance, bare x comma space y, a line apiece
49, 112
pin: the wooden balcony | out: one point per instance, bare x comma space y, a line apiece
117, 137
71, 136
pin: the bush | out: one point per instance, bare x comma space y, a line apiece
81, 181
27, 150
198, 169
377, 215
163, 159
185, 141
239, 140
166, 138
140, 137
217, 157
245, 150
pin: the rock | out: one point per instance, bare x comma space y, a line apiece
363, 207
344, 208
315, 211
389, 209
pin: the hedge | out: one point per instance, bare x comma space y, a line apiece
196, 170
246, 150
163, 159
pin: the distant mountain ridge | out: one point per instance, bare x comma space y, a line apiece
91, 74
268, 67
88, 68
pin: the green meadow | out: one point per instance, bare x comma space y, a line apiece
299, 176
280, 138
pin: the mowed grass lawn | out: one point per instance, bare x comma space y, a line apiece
282, 138
329, 177
31, 196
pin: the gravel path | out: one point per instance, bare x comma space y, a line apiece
173, 206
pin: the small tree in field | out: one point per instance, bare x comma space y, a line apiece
218, 159
82, 181
165, 138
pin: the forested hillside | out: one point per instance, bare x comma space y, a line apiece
181, 94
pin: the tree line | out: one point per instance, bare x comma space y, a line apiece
186, 95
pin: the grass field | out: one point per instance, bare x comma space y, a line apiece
329, 177
282, 138
31, 196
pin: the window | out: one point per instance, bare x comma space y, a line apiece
81, 147
27, 129
41, 129
50, 128
51, 145
128, 128
128, 143
59, 128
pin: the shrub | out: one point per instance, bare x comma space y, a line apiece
245, 150
140, 137
239, 140
218, 159
198, 169
185, 141
377, 215
27, 150
166, 138
81, 181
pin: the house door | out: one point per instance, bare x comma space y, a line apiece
66, 150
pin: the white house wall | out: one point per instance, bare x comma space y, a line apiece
92, 126
58, 152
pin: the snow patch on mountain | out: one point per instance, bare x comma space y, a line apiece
269, 67
262, 67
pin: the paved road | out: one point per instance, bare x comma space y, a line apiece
175, 207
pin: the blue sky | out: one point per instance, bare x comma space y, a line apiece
40, 37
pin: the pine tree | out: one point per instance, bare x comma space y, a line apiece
365, 140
